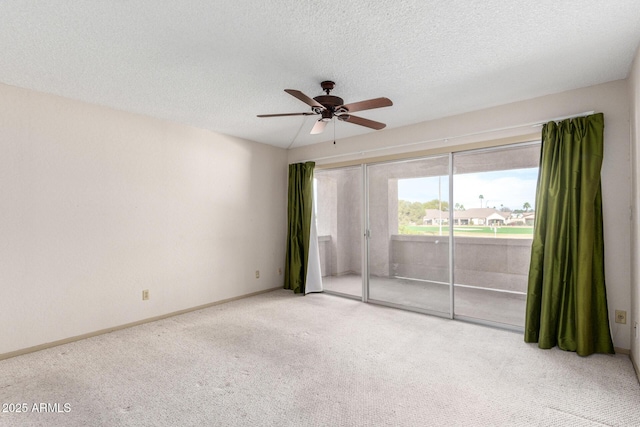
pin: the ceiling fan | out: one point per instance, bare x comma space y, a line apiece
330, 106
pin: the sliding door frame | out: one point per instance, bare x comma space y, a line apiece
365, 232
452, 251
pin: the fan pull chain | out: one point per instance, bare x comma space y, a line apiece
334, 131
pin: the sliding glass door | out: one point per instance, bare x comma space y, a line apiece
339, 220
494, 196
408, 228
448, 235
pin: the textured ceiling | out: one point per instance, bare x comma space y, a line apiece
216, 64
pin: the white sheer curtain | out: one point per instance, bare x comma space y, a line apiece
314, 274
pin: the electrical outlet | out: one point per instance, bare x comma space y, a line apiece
145, 294
621, 317
257, 274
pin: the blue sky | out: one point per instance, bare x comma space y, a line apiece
511, 188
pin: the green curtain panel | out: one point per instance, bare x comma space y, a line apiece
566, 298
300, 203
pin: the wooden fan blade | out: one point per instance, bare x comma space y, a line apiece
318, 127
369, 104
362, 121
308, 113
304, 98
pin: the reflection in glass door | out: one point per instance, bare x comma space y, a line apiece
408, 227
339, 220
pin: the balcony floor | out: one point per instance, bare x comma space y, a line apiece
481, 304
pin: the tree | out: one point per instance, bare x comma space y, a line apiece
437, 204
410, 212
481, 197
526, 206
414, 212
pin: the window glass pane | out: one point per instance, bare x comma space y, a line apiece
494, 197
423, 206
339, 216
408, 257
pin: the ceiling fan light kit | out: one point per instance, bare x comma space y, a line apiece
329, 106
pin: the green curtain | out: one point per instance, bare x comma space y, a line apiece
300, 202
566, 298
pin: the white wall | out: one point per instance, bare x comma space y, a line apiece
634, 318
612, 99
97, 205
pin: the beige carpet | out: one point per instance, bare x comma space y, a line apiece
283, 360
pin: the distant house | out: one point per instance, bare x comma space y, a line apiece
435, 217
526, 218
480, 216
529, 218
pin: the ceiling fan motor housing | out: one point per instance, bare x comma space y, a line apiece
329, 101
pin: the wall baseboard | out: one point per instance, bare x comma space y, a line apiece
635, 366
127, 325
620, 350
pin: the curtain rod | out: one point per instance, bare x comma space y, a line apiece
557, 119
531, 124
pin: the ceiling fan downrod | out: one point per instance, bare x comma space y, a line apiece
327, 86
